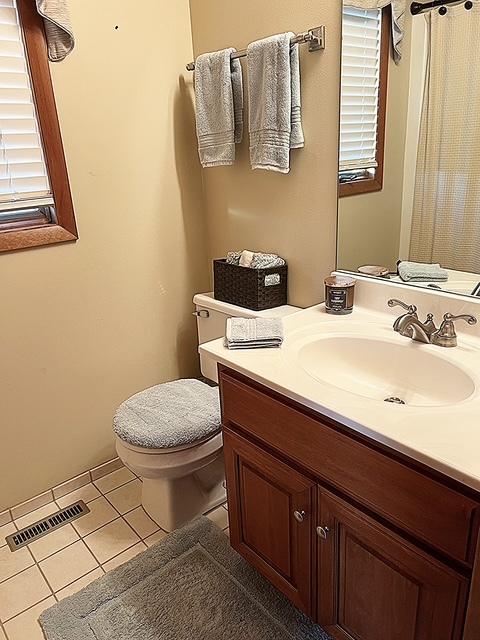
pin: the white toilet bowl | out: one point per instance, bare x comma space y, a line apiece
183, 482
179, 483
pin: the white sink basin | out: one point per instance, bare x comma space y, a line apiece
380, 369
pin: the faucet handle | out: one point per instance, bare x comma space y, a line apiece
446, 336
429, 324
411, 309
448, 317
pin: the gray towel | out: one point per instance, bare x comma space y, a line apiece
259, 260
237, 89
274, 102
219, 107
418, 272
58, 28
254, 333
297, 140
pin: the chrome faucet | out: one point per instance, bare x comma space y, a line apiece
409, 326
411, 310
446, 336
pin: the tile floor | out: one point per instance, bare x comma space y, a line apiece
63, 562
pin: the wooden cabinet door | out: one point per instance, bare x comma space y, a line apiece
373, 585
271, 521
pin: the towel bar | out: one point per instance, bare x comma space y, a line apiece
314, 37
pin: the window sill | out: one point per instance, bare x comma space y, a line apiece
357, 187
46, 234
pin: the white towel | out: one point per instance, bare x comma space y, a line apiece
246, 258
253, 333
219, 107
274, 102
58, 28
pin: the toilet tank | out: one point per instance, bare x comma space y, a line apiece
212, 319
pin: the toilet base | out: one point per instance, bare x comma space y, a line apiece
172, 502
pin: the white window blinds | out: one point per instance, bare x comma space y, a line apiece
360, 88
23, 173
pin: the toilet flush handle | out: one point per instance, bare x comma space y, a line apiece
203, 313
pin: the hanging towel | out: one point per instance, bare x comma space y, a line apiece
274, 102
219, 107
399, 12
58, 28
237, 89
297, 140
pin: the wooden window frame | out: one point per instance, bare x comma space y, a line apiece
39, 230
375, 183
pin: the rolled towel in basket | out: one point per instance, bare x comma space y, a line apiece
255, 260
254, 333
418, 272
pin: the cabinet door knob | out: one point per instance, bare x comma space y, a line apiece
322, 532
299, 516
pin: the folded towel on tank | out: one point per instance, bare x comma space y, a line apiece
254, 333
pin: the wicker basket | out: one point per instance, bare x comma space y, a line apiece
256, 289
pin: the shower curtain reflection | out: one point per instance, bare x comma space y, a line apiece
446, 213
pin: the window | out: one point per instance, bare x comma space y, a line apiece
365, 57
35, 201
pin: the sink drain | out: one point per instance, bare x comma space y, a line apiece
394, 400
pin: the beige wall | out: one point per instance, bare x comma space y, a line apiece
84, 326
295, 214
369, 224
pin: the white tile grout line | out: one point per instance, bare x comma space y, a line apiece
102, 495
45, 578
112, 505
114, 488
22, 612
51, 489
100, 566
118, 517
81, 538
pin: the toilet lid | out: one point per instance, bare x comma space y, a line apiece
173, 414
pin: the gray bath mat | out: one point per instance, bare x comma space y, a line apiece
191, 586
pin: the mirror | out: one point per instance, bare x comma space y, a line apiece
409, 179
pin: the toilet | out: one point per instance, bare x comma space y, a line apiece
170, 435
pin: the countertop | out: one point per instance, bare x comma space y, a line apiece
446, 438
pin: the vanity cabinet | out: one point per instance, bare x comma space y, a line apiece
369, 544
373, 585
271, 508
